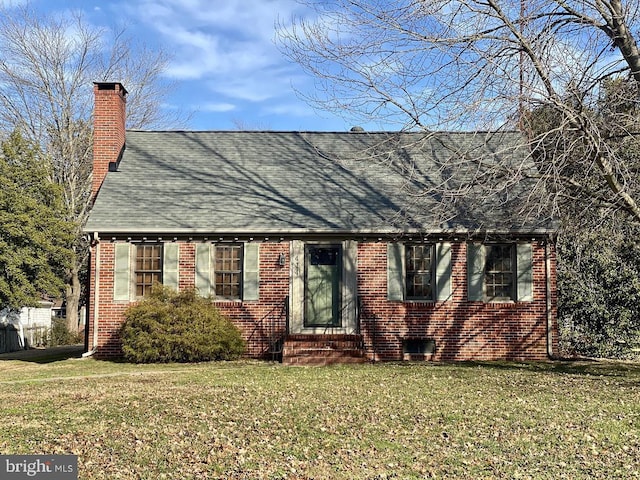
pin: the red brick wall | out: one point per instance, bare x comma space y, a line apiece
109, 312
259, 321
108, 129
265, 319
462, 330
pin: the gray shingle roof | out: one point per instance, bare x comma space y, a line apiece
320, 182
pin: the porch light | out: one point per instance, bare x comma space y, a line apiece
281, 259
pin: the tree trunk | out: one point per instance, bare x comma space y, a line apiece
73, 293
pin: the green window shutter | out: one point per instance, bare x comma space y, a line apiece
296, 302
203, 269
443, 271
251, 272
122, 273
349, 284
524, 265
170, 265
395, 271
475, 271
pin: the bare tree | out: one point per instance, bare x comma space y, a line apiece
488, 65
47, 69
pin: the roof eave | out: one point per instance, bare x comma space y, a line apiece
212, 234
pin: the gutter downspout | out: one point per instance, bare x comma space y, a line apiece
548, 306
96, 297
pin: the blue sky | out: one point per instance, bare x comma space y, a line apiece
225, 64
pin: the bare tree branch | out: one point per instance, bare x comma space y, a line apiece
47, 69
545, 67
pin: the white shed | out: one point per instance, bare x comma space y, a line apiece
32, 326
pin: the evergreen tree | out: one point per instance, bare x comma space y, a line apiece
34, 238
48, 64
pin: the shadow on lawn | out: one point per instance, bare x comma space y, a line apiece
582, 366
45, 355
587, 367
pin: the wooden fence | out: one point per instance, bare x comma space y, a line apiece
10, 340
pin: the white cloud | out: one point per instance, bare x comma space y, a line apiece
12, 3
223, 50
216, 107
255, 20
214, 38
290, 109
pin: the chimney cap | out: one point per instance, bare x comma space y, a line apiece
111, 86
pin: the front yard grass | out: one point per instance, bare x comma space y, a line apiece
259, 420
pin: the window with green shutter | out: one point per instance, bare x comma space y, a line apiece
138, 266
228, 271
419, 271
500, 272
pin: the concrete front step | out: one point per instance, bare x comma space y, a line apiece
322, 349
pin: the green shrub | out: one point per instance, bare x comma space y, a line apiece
599, 293
61, 335
170, 326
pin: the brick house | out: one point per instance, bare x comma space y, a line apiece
318, 245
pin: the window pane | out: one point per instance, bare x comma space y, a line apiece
499, 271
419, 262
228, 269
148, 268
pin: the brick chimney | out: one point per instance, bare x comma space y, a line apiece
109, 115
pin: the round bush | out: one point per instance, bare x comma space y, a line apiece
170, 326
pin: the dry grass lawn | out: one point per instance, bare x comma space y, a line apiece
250, 420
